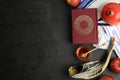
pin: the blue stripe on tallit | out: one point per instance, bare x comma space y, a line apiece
86, 3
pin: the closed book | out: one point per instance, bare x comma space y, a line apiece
84, 26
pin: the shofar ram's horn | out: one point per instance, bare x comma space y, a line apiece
91, 69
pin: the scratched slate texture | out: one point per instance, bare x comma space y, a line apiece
36, 41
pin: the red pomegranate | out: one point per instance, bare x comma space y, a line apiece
111, 13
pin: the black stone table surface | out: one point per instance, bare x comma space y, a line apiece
36, 41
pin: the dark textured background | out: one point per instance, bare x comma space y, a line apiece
35, 41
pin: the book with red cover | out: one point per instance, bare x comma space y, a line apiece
84, 26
